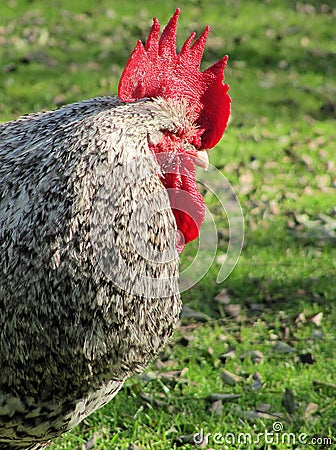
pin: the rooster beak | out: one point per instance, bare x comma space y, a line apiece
201, 159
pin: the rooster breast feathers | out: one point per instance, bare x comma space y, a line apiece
89, 270
84, 167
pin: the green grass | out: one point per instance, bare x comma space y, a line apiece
279, 155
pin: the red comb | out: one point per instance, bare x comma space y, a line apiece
156, 70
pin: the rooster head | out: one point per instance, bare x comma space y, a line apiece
157, 71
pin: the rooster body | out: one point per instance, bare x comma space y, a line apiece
90, 228
56, 289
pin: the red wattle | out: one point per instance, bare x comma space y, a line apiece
186, 202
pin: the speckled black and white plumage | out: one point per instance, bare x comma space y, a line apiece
81, 305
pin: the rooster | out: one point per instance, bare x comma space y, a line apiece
97, 199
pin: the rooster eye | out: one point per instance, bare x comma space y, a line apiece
178, 132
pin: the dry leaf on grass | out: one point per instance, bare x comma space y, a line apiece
92, 442
288, 401
223, 297
222, 397
152, 400
257, 382
216, 407
250, 414
228, 355
256, 356
283, 347
317, 319
230, 378
233, 310
190, 314
310, 409
263, 407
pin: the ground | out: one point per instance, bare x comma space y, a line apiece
254, 354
